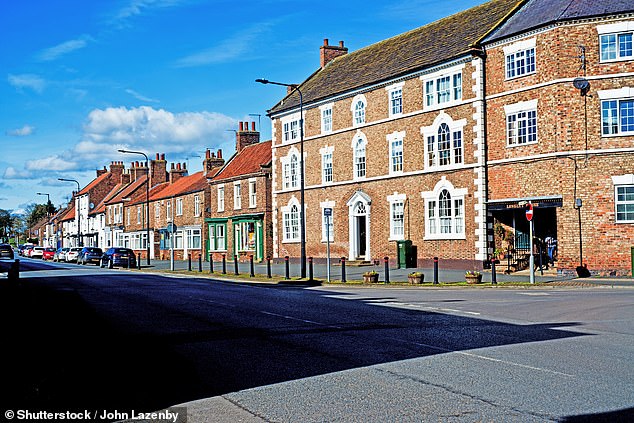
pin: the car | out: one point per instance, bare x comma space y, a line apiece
72, 253
36, 252
6, 252
26, 250
60, 254
90, 255
118, 256
48, 253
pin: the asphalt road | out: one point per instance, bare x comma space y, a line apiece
84, 338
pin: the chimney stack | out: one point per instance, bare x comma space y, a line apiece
328, 53
177, 172
244, 137
211, 160
116, 169
158, 170
101, 171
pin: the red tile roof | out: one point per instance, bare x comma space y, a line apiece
95, 182
101, 207
246, 162
129, 191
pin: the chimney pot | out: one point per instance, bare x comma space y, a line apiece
178, 166
241, 126
253, 126
325, 41
220, 153
172, 166
157, 156
340, 43
162, 156
184, 165
208, 154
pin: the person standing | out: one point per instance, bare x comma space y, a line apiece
551, 245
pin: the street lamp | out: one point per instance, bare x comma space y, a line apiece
302, 219
79, 241
147, 201
48, 202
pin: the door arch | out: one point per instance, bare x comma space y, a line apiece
359, 207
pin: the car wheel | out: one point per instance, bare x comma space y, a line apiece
110, 264
101, 264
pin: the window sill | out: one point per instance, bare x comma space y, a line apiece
620, 59
290, 241
444, 237
521, 145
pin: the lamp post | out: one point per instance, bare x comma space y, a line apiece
79, 241
147, 201
302, 219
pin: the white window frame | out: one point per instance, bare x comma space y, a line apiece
623, 198
218, 242
237, 195
395, 142
253, 197
290, 169
194, 234
619, 32
168, 210
432, 142
138, 215
397, 216
157, 210
197, 205
358, 109
325, 112
179, 207
433, 218
395, 99
613, 123
520, 59
327, 171
442, 88
359, 162
519, 117
221, 198
290, 222
331, 231
290, 128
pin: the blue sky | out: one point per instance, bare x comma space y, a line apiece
80, 79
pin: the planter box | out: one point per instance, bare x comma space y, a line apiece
371, 278
473, 279
416, 279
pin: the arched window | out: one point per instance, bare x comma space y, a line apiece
290, 216
359, 113
290, 169
443, 145
444, 217
359, 158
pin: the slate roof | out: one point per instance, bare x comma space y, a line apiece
246, 162
128, 190
69, 213
537, 13
441, 41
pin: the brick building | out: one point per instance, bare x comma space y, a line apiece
566, 146
241, 225
394, 144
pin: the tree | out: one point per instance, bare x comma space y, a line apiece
6, 222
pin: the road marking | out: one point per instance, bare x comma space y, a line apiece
312, 322
427, 308
535, 294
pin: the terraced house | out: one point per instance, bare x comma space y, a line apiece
394, 145
439, 136
560, 129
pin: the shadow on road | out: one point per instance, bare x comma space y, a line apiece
60, 353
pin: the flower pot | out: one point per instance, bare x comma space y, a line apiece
473, 279
415, 279
371, 278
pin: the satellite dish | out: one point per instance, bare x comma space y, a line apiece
92, 206
581, 83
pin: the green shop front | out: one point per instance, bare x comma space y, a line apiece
246, 236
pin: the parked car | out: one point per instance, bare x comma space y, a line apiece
90, 255
48, 253
36, 252
60, 254
26, 250
6, 252
117, 256
72, 253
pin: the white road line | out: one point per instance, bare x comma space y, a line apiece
312, 322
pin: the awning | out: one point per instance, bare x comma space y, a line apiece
518, 203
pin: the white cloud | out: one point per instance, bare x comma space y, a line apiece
13, 173
63, 48
21, 132
27, 80
143, 128
229, 49
141, 97
139, 7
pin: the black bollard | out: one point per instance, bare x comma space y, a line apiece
235, 264
211, 263
343, 269
494, 278
138, 262
224, 264
189, 262
310, 269
386, 260
288, 270
252, 273
435, 270
200, 263
14, 272
268, 268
